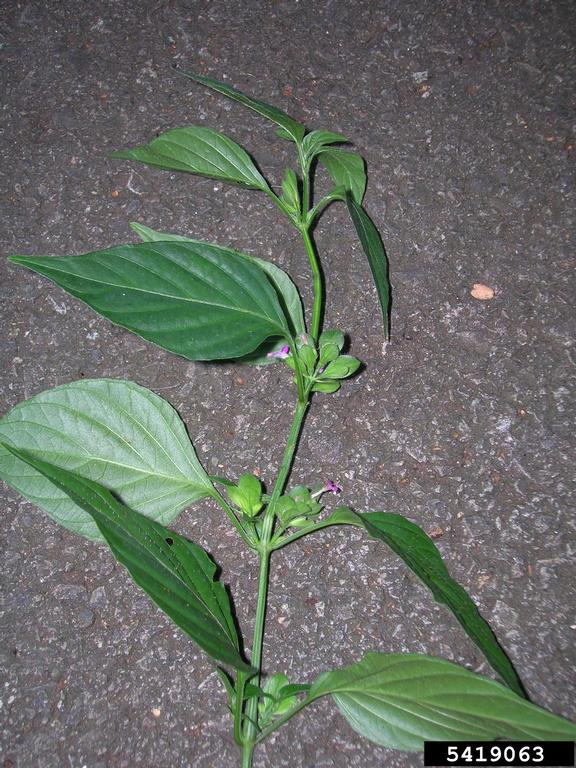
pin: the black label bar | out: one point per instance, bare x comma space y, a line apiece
499, 753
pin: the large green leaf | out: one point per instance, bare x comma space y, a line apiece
402, 700
285, 288
111, 431
293, 128
202, 302
421, 555
347, 170
177, 574
376, 255
201, 151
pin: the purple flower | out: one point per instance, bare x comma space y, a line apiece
332, 487
281, 353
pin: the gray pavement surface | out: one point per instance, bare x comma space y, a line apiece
465, 114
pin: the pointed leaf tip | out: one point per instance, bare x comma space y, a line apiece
423, 558
175, 573
373, 248
200, 301
292, 129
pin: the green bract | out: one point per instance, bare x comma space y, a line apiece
112, 461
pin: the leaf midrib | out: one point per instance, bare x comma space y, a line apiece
153, 548
169, 296
225, 140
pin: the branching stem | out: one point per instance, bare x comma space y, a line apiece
264, 549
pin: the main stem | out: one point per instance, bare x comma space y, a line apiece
317, 278
264, 550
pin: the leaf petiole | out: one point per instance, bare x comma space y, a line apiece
239, 707
339, 193
282, 541
243, 533
282, 720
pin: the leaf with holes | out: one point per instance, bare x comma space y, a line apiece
115, 432
197, 300
177, 574
200, 151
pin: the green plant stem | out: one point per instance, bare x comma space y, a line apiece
281, 720
302, 395
304, 228
319, 207
264, 550
279, 203
305, 168
305, 531
317, 282
217, 496
238, 707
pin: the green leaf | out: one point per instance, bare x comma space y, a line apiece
421, 555
177, 574
293, 688
347, 169
314, 142
345, 516
228, 685
328, 387
279, 697
247, 495
308, 355
376, 255
402, 700
285, 288
330, 344
112, 431
197, 300
342, 367
332, 336
290, 193
200, 151
294, 130
251, 487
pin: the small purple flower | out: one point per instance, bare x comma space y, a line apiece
281, 353
332, 487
